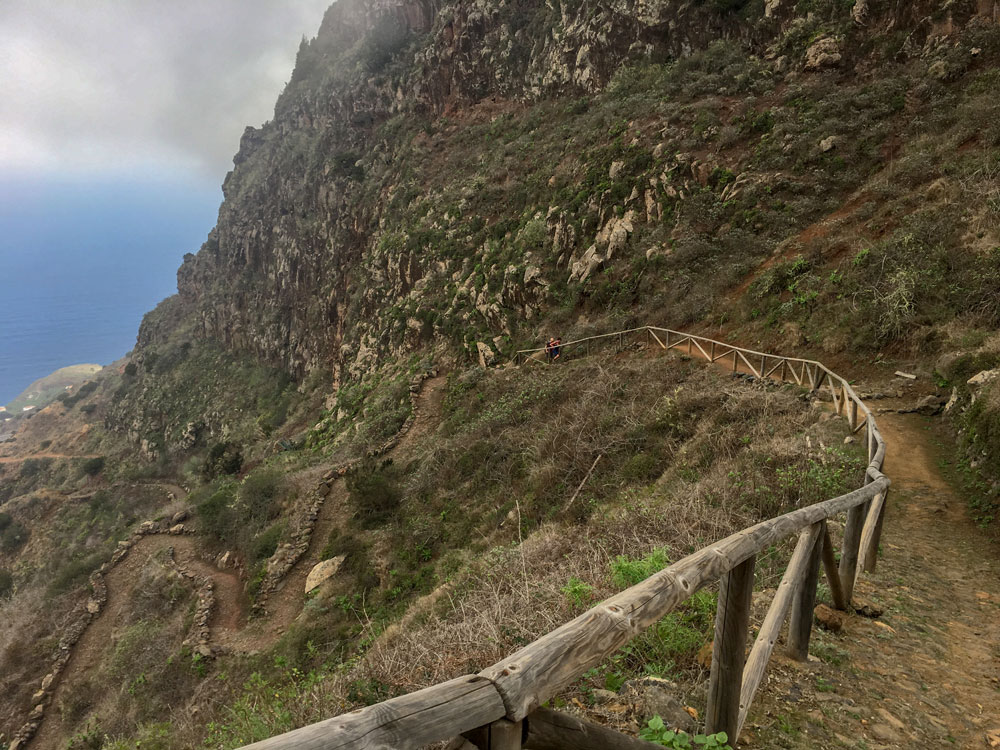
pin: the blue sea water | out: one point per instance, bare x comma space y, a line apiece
81, 261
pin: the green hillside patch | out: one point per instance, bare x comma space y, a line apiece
64, 382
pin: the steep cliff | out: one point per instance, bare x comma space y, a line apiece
438, 173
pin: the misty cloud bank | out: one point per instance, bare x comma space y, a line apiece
109, 86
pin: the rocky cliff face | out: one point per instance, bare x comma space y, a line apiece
317, 260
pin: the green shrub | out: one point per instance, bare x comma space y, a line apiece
258, 493
223, 458
6, 583
657, 732
217, 513
32, 467
13, 534
265, 543
641, 467
70, 573
93, 466
374, 493
579, 593
627, 572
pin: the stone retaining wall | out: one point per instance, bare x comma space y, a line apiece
80, 619
289, 553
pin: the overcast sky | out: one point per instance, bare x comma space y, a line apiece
141, 86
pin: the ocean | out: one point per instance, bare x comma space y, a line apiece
82, 261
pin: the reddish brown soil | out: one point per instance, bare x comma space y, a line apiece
927, 672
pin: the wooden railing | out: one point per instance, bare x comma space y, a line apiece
501, 707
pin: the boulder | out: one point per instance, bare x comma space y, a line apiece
823, 53
952, 401
829, 144
859, 13
982, 378
179, 517
830, 619
581, 269
323, 572
654, 696
487, 357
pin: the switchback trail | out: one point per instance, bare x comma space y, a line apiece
926, 673
92, 649
229, 626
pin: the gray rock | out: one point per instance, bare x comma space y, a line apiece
653, 696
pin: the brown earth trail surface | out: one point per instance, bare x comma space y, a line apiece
98, 640
926, 673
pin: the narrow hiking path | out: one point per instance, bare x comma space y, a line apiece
53, 456
926, 673
285, 604
229, 625
92, 650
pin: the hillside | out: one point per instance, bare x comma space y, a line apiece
442, 185
45, 390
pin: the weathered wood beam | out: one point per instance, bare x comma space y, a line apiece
760, 654
410, 721
704, 353
747, 363
849, 550
801, 618
872, 558
732, 620
554, 730
535, 673
866, 551
770, 372
662, 345
832, 573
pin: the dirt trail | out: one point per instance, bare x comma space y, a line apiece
285, 604
927, 672
55, 456
93, 647
229, 627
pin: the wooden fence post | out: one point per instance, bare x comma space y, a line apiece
732, 620
872, 556
849, 552
832, 574
801, 619
736, 360
500, 735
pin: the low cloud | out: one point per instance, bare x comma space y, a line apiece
111, 86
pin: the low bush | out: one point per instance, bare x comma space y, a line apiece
93, 466
374, 492
13, 534
6, 583
223, 458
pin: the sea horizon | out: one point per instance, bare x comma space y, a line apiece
81, 262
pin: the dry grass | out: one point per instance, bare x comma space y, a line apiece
733, 454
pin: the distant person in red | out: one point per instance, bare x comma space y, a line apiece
552, 348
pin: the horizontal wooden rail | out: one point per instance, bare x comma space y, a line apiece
495, 709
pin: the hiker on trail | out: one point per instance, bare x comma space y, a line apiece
550, 346
556, 344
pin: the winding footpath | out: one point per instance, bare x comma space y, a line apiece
925, 672
221, 622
